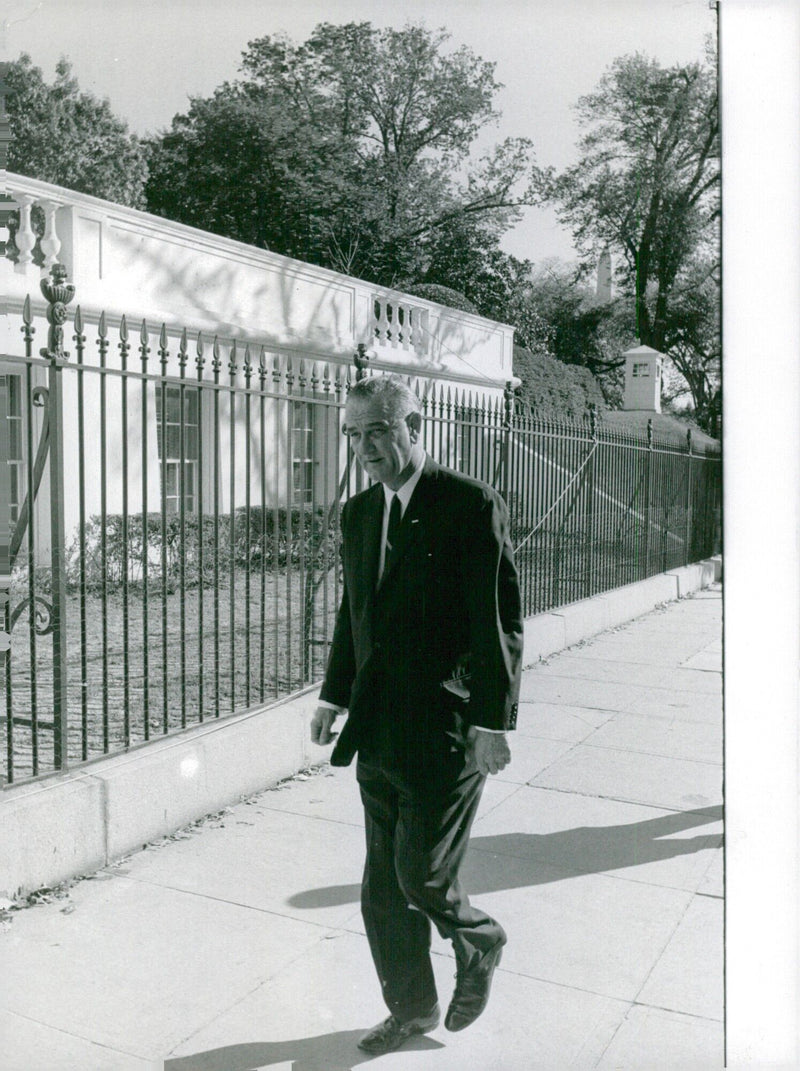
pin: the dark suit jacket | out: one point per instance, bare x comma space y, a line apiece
451, 588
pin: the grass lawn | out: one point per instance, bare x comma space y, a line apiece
188, 673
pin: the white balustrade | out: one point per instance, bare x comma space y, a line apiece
25, 239
400, 324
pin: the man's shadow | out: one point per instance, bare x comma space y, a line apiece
514, 860
504, 861
326, 1052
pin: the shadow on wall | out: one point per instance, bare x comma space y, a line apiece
279, 305
272, 303
516, 860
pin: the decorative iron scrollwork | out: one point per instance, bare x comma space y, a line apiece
43, 614
361, 360
59, 293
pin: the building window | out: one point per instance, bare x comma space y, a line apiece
302, 453
169, 426
641, 368
11, 393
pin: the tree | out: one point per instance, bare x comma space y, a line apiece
646, 185
464, 253
694, 330
580, 328
240, 165
369, 132
70, 138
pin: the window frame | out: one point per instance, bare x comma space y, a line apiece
16, 494
186, 468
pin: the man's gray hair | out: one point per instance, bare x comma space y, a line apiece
393, 391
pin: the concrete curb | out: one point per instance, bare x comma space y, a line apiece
75, 823
547, 633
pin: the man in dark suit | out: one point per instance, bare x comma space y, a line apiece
425, 659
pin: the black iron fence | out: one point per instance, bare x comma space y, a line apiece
174, 511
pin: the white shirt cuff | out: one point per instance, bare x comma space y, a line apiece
330, 706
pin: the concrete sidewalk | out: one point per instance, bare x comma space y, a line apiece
238, 944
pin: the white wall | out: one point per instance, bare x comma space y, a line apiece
126, 261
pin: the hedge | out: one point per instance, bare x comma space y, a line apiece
299, 536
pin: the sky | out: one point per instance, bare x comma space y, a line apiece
150, 56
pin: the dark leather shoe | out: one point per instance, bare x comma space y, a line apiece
472, 989
391, 1033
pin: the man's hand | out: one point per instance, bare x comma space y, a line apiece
321, 726
490, 750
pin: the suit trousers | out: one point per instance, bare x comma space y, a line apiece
417, 833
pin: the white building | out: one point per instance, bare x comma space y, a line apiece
303, 323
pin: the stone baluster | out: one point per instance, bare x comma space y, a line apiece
50, 243
403, 316
381, 321
422, 332
25, 237
410, 331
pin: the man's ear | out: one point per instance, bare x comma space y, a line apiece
414, 421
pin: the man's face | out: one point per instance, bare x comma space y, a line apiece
383, 442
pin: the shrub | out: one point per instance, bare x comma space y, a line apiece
553, 389
442, 295
299, 535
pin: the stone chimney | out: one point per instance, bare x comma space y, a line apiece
643, 367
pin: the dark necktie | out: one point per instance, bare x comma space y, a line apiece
395, 517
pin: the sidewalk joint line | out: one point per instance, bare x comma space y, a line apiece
231, 903
621, 799
669, 689
71, 1034
653, 754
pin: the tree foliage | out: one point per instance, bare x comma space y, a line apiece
464, 253
350, 150
694, 330
646, 187
70, 138
443, 295
581, 328
646, 184
237, 164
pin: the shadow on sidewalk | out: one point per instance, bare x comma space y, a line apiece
539, 858
326, 1052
